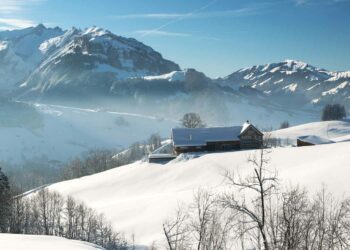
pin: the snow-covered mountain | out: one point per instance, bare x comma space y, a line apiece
48, 58
294, 82
49, 62
20, 53
92, 60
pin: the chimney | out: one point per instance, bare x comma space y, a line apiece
247, 121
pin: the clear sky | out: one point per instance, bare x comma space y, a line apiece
213, 36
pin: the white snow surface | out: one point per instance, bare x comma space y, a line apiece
339, 75
3, 45
42, 242
137, 198
171, 77
336, 89
291, 87
332, 130
295, 65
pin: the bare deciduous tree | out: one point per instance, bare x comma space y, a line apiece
254, 213
176, 231
49, 213
205, 225
192, 120
261, 184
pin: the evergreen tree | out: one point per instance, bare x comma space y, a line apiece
5, 202
333, 112
284, 124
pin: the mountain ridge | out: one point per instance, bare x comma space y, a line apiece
94, 61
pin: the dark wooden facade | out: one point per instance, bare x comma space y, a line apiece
210, 147
161, 159
301, 143
251, 138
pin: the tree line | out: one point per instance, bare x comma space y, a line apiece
333, 112
40, 171
97, 161
48, 213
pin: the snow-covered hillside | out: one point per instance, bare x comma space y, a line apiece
36, 242
138, 197
333, 130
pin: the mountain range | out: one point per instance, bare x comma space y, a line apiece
48, 63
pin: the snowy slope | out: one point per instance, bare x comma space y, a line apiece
333, 130
137, 198
36, 242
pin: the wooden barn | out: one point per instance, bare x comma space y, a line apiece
213, 139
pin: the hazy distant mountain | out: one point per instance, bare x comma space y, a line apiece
293, 82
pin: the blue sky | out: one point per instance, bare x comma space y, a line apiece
213, 36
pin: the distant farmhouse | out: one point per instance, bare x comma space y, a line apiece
213, 139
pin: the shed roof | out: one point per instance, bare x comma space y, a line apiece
200, 136
313, 139
162, 156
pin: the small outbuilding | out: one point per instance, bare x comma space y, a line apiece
161, 158
311, 140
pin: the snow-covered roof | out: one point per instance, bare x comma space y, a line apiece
161, 156
313, 139
200, 136
245, 126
